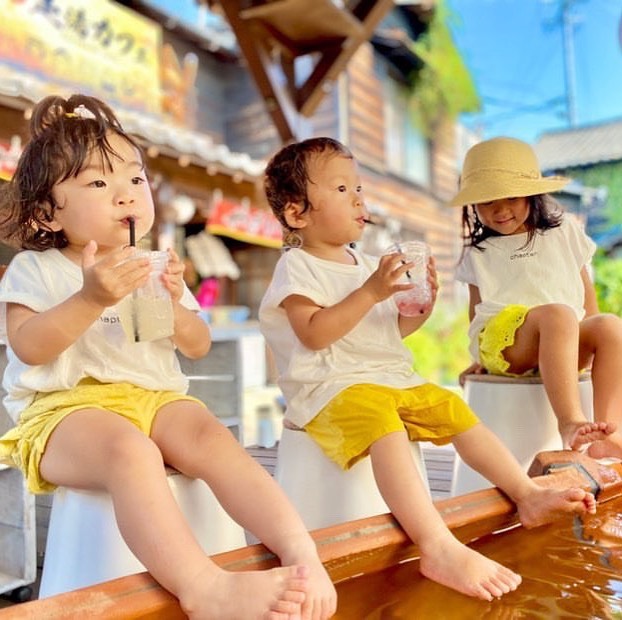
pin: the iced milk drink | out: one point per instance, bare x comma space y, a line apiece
417, 300
150, 308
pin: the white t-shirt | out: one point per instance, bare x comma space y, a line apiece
372, 352
41, 280
546, 271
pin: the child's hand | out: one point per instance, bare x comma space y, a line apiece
473, 369
433, 279
109, 280
384, 281
173, 276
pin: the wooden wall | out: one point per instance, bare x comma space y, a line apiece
230, 110
420, 209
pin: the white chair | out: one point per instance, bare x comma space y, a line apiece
84, 545
321, 491
518, 411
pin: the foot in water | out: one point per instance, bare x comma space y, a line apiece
452, 564
255, 595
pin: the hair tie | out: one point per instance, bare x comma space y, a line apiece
81, 112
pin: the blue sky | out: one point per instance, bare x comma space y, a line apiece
514, 50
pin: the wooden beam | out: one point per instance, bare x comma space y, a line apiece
331, 64
307, 23
299, 28
279, 103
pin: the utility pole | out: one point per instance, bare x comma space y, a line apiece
568, 22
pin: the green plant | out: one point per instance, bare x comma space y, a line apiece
607, 175
440, 347
443, 88
608, 283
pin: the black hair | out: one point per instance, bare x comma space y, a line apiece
544, 213
64, 134
287, 173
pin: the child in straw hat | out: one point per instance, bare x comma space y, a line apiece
532, 304
336, 334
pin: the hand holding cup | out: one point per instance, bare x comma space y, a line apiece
416, 300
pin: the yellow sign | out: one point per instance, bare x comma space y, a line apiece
98, 47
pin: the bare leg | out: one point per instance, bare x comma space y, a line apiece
482, 450
193, 441
98, 450
549, 340
443, 558
600, 343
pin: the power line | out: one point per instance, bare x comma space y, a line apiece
567, 21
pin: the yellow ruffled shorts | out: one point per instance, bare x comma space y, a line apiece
361, 414
24, 445
498, 334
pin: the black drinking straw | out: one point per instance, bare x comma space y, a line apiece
399, 249
134, 293
132, 231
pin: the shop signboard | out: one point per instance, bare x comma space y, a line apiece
100, 48
242, 221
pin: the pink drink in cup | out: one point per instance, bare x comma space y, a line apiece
416, 300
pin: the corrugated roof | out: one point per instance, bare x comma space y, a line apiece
580, 146
172, 140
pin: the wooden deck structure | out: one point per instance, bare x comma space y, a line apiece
347, 549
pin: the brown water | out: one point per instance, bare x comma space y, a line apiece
570, 569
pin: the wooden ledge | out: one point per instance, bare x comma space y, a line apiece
530, 379
346, 549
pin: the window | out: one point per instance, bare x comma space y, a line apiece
407, 150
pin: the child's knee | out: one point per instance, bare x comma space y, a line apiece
133, 450
609, 326
553, 316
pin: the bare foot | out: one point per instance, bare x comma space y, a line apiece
543, 505
456, 566
272, 594
298, 549
610, 447
579, 434
321, 600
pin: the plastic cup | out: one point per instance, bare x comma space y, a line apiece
151, 308
417, 300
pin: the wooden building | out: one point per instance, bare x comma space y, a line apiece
217, 124
364, 100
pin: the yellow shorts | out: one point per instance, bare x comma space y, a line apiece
364, 413
498, 334
24, 445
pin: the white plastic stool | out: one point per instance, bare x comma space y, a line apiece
321, 491
84, 545
518, 411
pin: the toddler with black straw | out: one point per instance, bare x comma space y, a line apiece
96, 410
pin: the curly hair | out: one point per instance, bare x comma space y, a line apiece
287, 174
544, 213
64, 134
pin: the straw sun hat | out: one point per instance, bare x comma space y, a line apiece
502, 168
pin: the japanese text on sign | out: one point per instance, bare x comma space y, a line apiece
105, 49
